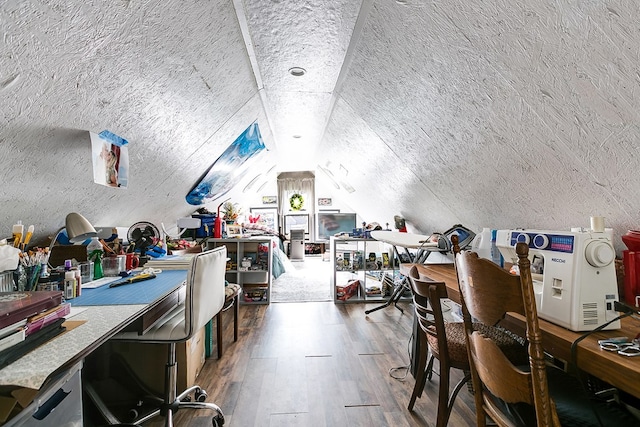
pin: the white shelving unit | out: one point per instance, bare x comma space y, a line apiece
255, 275
358, 269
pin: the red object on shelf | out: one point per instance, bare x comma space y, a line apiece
343, 293
631, 261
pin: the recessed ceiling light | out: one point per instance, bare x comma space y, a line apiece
403, 2
297, 136
297, 71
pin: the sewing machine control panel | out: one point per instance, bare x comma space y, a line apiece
550, 242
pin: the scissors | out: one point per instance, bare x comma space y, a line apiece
629, 349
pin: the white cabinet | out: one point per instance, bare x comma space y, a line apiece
359, 270
249, 265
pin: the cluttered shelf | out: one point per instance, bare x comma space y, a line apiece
249, 265
363, 270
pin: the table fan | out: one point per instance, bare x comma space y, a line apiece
143, 236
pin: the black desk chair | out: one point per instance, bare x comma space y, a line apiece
205, 297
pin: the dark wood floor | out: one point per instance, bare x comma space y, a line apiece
318, 364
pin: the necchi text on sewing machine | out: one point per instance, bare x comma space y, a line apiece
573, 273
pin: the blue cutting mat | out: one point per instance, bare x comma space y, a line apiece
144, 292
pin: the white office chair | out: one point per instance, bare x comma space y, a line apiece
204, 299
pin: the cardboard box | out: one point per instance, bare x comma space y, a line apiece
148, 361
343, 293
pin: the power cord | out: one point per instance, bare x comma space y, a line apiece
618, 306
406, 368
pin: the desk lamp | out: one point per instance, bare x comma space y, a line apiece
78, 229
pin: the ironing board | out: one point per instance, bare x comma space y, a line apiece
406, 241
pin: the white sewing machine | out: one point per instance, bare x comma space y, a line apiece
574, 276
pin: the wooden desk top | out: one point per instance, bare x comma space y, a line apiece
620, 371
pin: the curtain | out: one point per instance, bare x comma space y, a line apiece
290, 183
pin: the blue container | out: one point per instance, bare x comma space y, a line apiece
206, 225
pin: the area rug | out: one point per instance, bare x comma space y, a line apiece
303, 281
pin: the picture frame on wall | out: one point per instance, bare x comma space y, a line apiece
269, 200
267, 217
324, 201
296, 221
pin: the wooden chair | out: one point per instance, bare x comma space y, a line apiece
531, 395
446, 342
231, 300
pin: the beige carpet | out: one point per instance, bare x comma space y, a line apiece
303, 281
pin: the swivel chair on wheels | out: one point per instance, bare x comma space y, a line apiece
205, 296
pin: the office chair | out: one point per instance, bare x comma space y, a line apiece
527, 395
205, 296
446, 342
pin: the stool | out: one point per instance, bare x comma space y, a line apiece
232, 299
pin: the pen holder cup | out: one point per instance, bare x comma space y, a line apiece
112, 266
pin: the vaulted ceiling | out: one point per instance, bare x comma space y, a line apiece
488, 113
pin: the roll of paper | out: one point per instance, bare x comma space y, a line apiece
597, 224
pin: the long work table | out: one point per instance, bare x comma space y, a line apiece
619, 371
101, 313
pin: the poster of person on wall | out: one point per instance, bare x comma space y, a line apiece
110, 156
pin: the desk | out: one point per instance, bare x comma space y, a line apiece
101, 322
619, 371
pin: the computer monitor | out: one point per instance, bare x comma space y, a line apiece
330, 224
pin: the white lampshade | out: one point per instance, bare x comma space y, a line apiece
78, 228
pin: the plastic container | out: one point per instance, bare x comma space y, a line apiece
207, 222
482, 244
496, 256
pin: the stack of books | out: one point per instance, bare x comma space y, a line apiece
28, 319
171, 262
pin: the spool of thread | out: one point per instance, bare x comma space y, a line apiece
597, 224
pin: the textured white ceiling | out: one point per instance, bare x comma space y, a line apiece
491, 113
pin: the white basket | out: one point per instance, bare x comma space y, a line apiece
6, 281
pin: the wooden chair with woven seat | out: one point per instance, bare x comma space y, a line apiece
533, 394
446, 342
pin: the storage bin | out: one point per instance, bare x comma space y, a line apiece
6, 281
207, 222
59, 404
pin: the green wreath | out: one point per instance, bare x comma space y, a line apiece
296, 201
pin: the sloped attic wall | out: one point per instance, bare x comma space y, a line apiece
495, 114
174, 81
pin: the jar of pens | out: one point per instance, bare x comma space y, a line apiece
32, 266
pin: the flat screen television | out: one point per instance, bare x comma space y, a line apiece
330, 223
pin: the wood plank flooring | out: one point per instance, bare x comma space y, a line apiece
318, 364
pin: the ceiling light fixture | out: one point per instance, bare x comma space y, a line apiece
297, 136
297, 71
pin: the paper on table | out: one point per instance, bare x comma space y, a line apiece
99, 282
74, 311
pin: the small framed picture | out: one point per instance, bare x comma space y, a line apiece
324, 201
269, 200
234, 230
